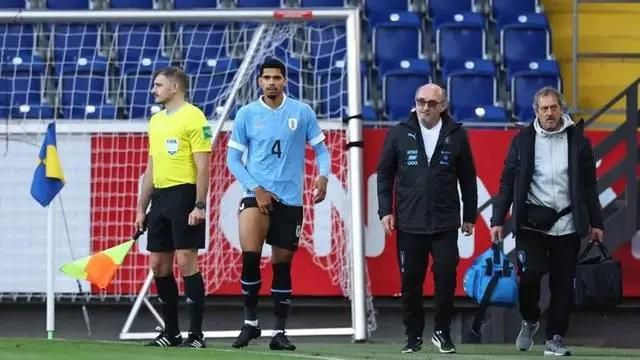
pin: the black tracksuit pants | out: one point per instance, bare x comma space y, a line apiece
413, 258
537, 254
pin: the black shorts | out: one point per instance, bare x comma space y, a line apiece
168, 227
285, 223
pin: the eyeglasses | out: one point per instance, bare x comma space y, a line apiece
430, 103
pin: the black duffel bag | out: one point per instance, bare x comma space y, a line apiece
598, 282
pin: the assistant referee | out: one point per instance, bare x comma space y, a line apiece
176, 182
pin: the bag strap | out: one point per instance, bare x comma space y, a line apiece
484, 304
563, 212
604, 251
585, 252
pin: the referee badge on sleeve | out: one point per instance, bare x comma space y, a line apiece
172, 145
206, 132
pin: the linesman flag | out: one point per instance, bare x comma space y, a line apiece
48, 178
100, 267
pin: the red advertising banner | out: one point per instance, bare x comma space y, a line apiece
118, 162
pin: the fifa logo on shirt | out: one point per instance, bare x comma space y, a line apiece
172, 146
293, 123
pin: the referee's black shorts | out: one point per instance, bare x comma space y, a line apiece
285, 223
168, 220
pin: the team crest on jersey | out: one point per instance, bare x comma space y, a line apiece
172, 146
293, 123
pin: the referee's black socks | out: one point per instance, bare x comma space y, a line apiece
250, 282
194, 291
168, 293
281, 294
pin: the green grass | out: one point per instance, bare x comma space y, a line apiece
29, 349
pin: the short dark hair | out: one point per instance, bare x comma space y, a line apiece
176, 74
272, 63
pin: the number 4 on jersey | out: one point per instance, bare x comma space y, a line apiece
275, 149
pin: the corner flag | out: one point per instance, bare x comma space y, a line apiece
48, 178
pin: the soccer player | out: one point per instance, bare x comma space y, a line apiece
176, 182
273, 131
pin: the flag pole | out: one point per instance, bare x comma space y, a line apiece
50, 272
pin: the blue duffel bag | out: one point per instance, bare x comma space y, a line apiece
491, 281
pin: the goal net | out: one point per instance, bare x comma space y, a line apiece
94, 79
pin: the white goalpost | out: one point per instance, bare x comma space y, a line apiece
91, 74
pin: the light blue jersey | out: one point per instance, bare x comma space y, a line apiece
275, 140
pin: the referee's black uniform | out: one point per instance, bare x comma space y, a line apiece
427, 210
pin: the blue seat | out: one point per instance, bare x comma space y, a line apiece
139, 47
486, 113
467, 18
13, 4
76, 47
34, 111
506, 11
92, 112
83, 88
378, 10
471, 87
399, 87
523, 43
468, 64
524, 85
208, 83
138, 97
437, 8
542, 66
331, 91
460, 41
259, 3
16, 39
21, 82
202, 43
68, 4
322, 3
327, 45
400, 38
533, 19
131, 4
194, 4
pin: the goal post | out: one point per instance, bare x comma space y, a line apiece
334, 91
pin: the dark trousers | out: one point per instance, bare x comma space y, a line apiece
538, 254
413, 258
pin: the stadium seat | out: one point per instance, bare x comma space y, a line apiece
327, 45
76, 46
209, 81
486, 113
506, 11
533, 19
322, 3
194, 4
460, 41
82, 88
542, 66
399, 87
131, 4
93, 112
13, 4
524, 85
36, 111
378, 10
399, 38
68, 4
259, 3
523, 43
444, 8
201, 43
21, 82
139, 47
331, 91
468, 64
470, 87
138, 95
16, 39
468, 18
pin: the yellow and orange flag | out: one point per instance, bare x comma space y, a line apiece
100, 268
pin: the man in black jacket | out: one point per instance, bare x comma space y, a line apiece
422, 161
550, 177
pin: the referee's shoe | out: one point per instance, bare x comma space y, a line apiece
194, 341
165, 340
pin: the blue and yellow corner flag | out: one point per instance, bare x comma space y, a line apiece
48, 178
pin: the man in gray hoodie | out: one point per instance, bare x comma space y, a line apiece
549, 176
